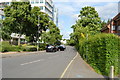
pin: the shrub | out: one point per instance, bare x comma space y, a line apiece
30, 48
6, 47
42, 46
101, 51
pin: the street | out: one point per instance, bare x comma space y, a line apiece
38, 65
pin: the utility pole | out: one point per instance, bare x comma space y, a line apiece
38, 34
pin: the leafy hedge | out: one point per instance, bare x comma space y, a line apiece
7, 47
30, 48
101, 51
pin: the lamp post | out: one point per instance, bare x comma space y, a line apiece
38, 33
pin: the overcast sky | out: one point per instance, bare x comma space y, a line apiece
69, 10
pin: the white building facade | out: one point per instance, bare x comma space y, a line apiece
47, 7
55, 16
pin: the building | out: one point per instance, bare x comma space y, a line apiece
55, 18
113, 26
1, 15
47, 7
2, 5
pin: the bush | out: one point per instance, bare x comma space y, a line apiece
101, 51
6, 47
42, 46
30, 48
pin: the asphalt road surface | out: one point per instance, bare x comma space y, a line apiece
38, 65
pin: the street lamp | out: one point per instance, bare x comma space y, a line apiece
38, 33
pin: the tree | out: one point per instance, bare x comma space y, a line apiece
52, 36
89, 18
42, 19
22, 19
17, 18
89, 23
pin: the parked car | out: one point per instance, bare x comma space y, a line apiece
62, 47
57, 48
51, 48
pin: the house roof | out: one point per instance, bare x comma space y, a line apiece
105, 26
117, 17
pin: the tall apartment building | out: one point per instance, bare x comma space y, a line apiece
1, 15
47, 7
56, 16
2, 5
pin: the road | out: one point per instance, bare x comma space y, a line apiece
38, 65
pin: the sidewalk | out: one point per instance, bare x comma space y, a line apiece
12, 54
80, 69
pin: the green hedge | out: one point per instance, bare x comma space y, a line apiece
30, 48
42, 46
6, 47
101, 51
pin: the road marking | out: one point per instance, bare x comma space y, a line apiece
68, 67
32, 62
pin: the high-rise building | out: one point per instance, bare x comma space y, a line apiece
47, 7
55, 16
2, 5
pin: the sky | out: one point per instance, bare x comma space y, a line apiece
69, 10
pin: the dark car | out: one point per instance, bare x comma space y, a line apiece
51, 48
62, 47
57, 48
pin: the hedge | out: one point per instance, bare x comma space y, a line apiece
7, 47
101, 51
30, 48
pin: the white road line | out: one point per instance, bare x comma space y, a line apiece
32, 62
68, 67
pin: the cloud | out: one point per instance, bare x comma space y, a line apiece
107, 11
60, 25
65, 9
75, 16
69, 11
66, 34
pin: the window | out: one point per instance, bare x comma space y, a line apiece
36, 1
118, 27
32, 1
41, 7
41, 1
113, 28
0, 17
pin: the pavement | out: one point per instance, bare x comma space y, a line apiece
80, 69
61, 64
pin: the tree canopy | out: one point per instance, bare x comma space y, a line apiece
89, 23
21, 18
